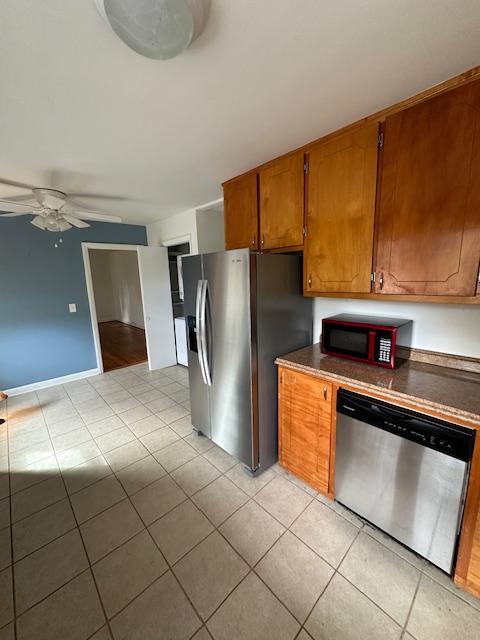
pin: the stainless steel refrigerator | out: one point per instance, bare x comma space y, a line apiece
242, 311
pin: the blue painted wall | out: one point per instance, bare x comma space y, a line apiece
39, 338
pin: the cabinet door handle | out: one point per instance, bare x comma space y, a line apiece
254, 240
310, 281
380, 281
325, 392
263, 239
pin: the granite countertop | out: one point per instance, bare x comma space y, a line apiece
454, 392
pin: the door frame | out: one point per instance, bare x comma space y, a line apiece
86, 246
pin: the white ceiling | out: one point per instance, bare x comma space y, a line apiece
81, 112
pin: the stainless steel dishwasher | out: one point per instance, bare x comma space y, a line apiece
403, 471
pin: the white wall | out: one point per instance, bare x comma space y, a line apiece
447, 328
179, 227
102, 285
127, 293
116, 286
210, 230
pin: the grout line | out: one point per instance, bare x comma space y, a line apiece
411, 605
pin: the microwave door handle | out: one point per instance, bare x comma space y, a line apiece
198, 322
203, 336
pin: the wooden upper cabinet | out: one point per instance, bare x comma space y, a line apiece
282, 202
241, 212
304, 421
341, 186
428, 235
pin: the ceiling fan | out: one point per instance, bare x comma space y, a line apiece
51, 212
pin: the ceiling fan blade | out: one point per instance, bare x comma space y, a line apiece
97, 196
80, 224
20, 199
15, 215
14, 183
92, 215
39, 222
18, 207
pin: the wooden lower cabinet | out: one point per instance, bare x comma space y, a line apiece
304, 421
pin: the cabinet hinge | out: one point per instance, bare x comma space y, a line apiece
380, 140
304, 232
305, 167
372, 276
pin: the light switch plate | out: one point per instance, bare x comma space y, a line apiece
72, 307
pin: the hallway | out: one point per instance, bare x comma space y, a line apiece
123, 345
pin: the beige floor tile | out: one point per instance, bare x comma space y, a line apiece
71, 439
107, 425
220, 458
135, 414
219, 500
295, 574
5, 548
27, 439
72, 612
6, 599
83, 475
35, 453
116, 396
183, 426
283, 500
180, 530
252, 531
147, 393
4, 512
114, 439
175, 455
146, 425
438, 613
202, 634
91, 405
159, 439
48, 568
102, 634
42, 527
343, 613
7, 632
127, 571
110, 529
124, 405
159, 404
303, 635
94, 415
195, 475
96, 498
198, 442
209, 573
447, 582
140, 474
292, 478
383, 576
327, 533
157, 499
37, 497
252, 612
172, 414
78, 455
4, 485
248, 483
180, 396
27, 476
126, 455
162, 611
65, 426
173, 387
396, 547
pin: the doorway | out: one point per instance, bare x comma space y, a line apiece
128, 289
175, 254
118, 301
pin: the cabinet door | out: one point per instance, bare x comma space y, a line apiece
281, 202
304, 415
241, 212
341, 186
428, 236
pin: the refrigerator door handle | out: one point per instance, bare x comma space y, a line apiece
203, 334
198, 322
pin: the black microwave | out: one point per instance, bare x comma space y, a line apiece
367, 339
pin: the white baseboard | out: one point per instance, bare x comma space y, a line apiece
44, 384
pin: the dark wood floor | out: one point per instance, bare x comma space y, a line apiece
122, 345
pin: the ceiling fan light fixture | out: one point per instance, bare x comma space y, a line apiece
158, 29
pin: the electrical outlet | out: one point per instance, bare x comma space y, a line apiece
72, 307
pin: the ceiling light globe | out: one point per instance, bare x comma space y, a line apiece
159, 29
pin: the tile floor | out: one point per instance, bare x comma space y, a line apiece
117, 522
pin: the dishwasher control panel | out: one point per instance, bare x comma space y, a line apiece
448, 438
